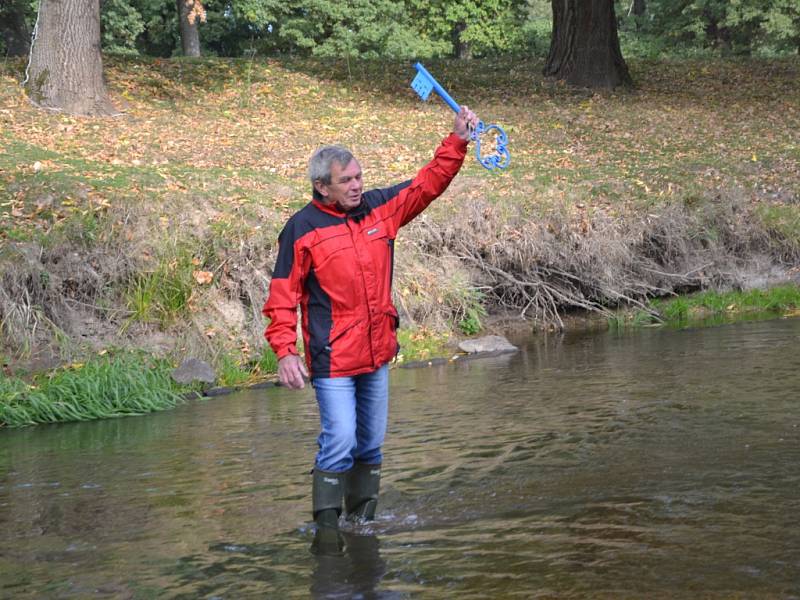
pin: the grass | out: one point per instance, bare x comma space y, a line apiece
682, 124
164, 293
420, 343
714, 307
115, 385
128, 384
240, 368
785, 220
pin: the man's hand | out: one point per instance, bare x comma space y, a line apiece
291, 370
466, 121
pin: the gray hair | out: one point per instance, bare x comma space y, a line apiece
319, 167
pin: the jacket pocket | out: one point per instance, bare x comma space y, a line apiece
337, 335
394, 318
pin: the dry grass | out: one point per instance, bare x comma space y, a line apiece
540, 265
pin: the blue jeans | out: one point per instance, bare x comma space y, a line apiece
353, 412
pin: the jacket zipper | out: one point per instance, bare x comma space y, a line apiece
348, 221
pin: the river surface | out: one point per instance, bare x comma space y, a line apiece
648, 464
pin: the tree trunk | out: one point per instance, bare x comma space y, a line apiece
584, 48
15, 31
461, 49
717, 37
639, 7
66, 68
190, 33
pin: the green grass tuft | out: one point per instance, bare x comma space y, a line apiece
162, 295
128, 384
715, 307
421, 343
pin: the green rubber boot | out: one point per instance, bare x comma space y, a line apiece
327, 491
361, 497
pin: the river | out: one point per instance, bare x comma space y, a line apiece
649, 464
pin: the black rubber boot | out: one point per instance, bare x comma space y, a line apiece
361, 496
327, 491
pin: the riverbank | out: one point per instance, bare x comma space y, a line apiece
157, 231
132, 383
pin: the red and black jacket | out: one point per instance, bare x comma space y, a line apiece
339, 270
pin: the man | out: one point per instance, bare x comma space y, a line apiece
335, 260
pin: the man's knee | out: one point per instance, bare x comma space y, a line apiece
343, 442
336, 448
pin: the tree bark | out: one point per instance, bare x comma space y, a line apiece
190, 33
461, 49
15, 31
584, 48
66, 68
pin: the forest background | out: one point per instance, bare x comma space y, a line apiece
415, 28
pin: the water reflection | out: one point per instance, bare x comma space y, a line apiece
357, 574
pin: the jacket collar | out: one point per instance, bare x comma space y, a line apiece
357, 214
330, 209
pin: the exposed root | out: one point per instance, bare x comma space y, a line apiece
542, 265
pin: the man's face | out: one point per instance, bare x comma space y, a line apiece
345, 187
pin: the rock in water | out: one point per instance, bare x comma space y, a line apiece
194, 369
489, 343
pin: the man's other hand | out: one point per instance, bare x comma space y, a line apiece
466, 121
291, 370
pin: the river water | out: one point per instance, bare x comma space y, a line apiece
649, 464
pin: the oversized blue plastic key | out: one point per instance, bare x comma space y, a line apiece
424, 83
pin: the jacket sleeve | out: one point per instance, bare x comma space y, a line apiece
432, 180
285, 292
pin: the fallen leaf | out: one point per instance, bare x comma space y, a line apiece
203, 277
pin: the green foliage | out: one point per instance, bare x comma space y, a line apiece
470, 323
121, 25
781, 26
267, 362
360, 28
676, 310
716, 306
231, 371
161, 36
16, 22
128, 384
476, 28
735, 26
234, 369
535, 36
783, 220
162, 294
469, 308
406, 29
420, 344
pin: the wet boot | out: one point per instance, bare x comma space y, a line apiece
361, 497
327, 490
